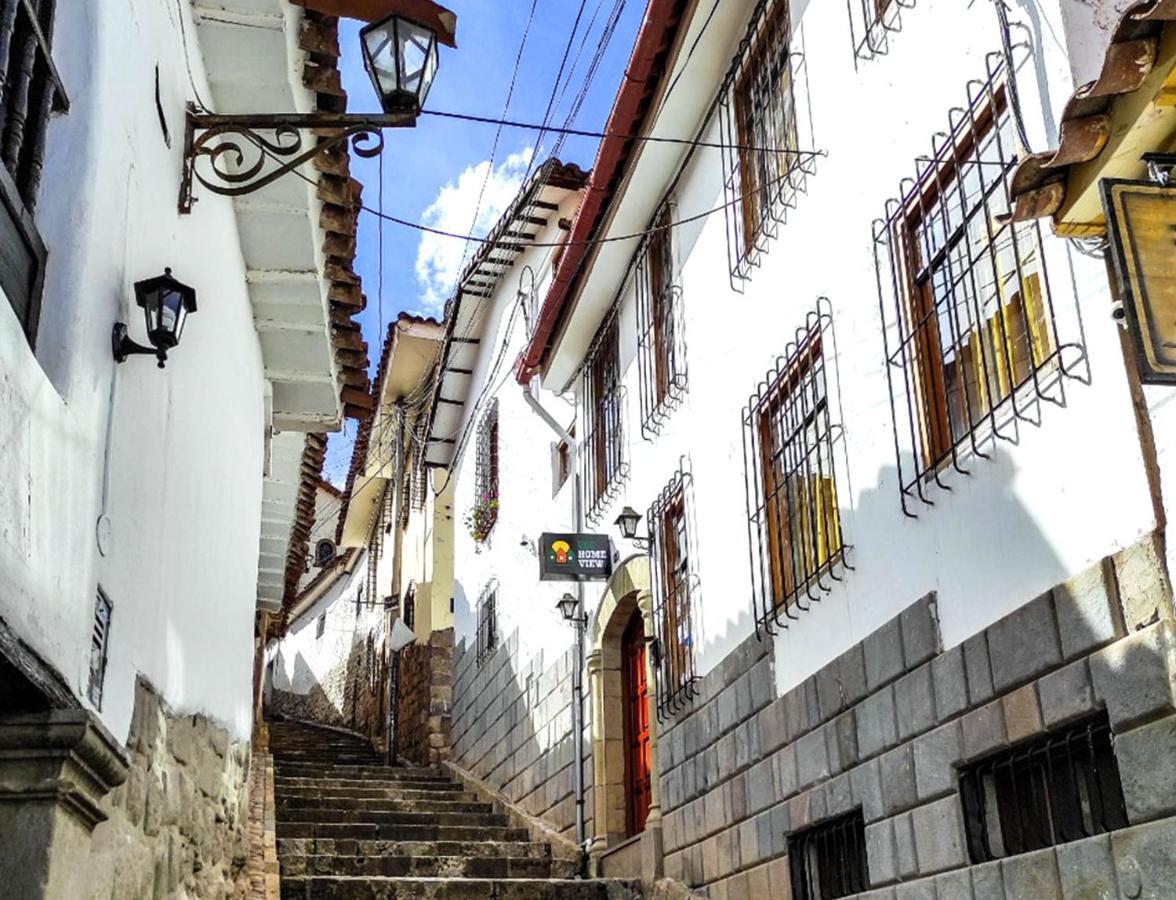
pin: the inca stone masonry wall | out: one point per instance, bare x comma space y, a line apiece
511, 728
885, 725
176, 827
426, 700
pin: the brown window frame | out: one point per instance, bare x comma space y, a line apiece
661, 347
486, 469
603, 465
487, 636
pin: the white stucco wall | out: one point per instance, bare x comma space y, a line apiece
1069, 492
172, 459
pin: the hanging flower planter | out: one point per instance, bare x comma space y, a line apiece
480, 519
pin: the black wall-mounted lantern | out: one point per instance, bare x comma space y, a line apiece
567, 607
166, 303
401, 59
627, 522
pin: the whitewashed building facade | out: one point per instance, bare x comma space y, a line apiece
905, 506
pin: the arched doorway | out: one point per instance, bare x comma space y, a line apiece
638, 764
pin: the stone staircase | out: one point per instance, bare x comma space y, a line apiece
350, 828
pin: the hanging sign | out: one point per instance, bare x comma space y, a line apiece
1141, 228
575, 557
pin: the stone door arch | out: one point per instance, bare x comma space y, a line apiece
627, 592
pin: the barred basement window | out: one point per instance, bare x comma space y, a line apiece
487, 622
972, 322
764, 167
485, 511
675, 594
99, 645
829, 861
661, 348
794, 524
603, 467
33, 91
871, 22
1063, 786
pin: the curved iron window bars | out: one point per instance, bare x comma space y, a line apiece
794, 523
661, 342
969, 331
487, 622
484, 513
758, 109
672, 548
603, 463
871, 24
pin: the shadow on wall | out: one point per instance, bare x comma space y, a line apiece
512, 726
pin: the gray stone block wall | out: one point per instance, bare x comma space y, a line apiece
511, 728
885, 727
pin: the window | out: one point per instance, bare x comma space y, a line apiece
1062, 786
674, 594
99, 644
871, 24
33, 92
972, 321
487, 622
409, 614
485, 511
661, 351
764, 169
321, 626
563, 461
794, 521
324, 553
602, 462
829, 860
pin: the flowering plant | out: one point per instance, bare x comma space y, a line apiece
481, 518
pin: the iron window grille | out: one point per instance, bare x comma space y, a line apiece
661, 346
485, 511
487, 622
33, 91
970, 338
872, 22
562, 462
603, 465
1063, 786
409, 612
405, 498
324, 553
794, 523
761, 130
420, 472
675, 593
99, 648
829, 860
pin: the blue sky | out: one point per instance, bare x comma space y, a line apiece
435, 172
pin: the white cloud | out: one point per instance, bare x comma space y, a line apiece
439, 259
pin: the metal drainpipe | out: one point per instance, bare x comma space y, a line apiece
581, 625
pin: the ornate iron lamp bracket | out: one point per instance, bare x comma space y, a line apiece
235, 155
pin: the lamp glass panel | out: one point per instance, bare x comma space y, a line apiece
418, 57
380, 46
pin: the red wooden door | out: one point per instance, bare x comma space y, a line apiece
637, 761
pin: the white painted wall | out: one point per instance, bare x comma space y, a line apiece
172, 458
1070, 492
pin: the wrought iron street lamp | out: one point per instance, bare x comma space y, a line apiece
568, 605
241, 154
627, 522
166, 303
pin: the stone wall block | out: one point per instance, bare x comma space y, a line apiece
1032, 875
1145, 593
955, 885
950, 683
898, 779
842, 737
978, 668
866, 784
883, 654
829, 697
920, 631
939, 835
1088, 611
987, 882
984, 730
761, 786
1066, 694
801, 709
1024, 643
876, 723
1087, 868
812, 758
1136, 677
1022, 713
1147, 767
762, 684
1144, 862
916, 890
914, 702
773, 726
838, 795
851, 674
936, 754
881, 856
904, 846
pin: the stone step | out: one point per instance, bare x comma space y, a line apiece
387, 773
350, 847
324, 781
327, 814
422, 866
363, 791
397, 832
379, 804
360, 888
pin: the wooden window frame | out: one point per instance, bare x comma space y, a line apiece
661, 347
603, 465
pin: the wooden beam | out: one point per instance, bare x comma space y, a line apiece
426, 12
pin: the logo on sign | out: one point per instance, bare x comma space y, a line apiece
560, 552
